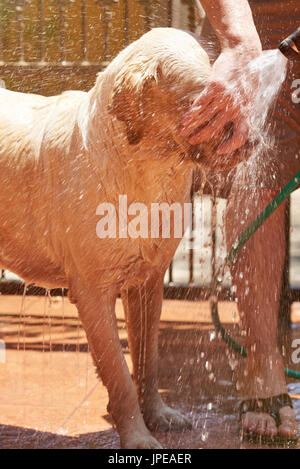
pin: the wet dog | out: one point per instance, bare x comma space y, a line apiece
62, 156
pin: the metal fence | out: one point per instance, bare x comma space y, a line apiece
47, 46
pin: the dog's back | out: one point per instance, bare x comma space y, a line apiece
25, 121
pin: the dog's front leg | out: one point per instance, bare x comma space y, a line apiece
97, 313
142, 307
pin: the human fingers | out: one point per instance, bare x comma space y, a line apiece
238, 138
192, 117
214, 127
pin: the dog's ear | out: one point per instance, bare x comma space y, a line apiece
126, 106
128, 96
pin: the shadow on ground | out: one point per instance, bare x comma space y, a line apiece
197, 375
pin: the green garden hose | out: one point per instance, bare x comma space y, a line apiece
239, 243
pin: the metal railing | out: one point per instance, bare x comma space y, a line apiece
46, 43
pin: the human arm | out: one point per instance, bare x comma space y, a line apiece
229, 94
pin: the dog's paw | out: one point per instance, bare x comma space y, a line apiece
166, 419
139, 442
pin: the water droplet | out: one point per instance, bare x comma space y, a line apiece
233, 363
208, 366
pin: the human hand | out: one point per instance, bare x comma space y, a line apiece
229, 96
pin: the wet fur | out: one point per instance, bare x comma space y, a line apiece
60, 157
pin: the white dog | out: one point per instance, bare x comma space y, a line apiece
60, 157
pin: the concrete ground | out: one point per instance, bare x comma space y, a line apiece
51, 398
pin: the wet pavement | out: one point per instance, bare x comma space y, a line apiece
51, 398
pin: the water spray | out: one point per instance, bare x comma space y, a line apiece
290, 47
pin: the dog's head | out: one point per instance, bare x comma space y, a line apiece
156, 79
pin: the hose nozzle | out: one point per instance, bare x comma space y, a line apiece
290, 47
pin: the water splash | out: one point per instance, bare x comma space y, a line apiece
271, 67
